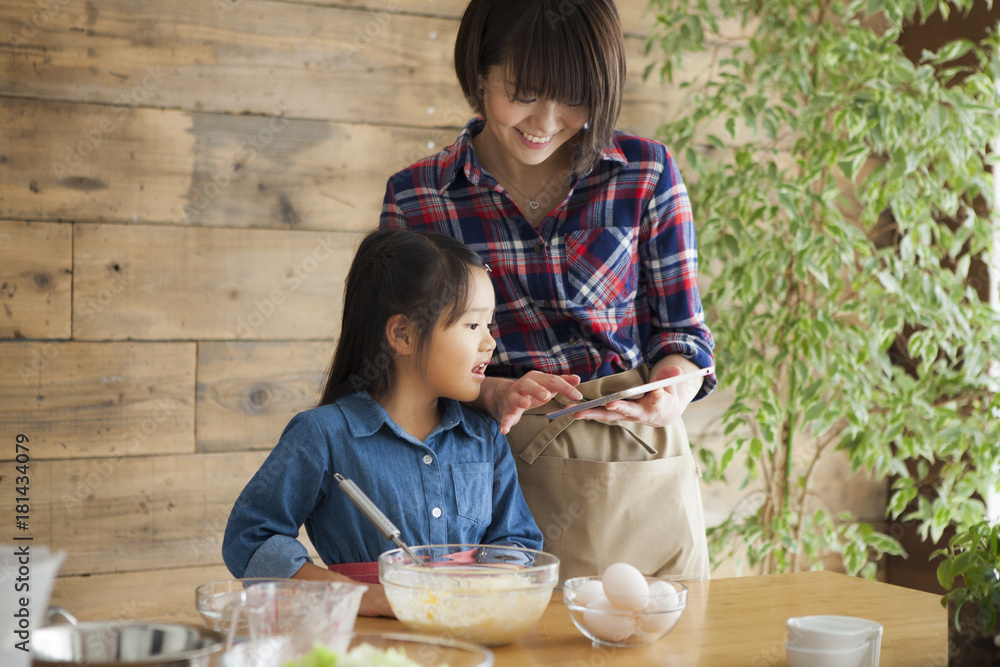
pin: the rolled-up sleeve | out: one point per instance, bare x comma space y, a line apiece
280, 556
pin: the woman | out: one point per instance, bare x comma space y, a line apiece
589, 236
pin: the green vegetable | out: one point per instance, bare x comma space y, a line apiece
364, 655
320, 656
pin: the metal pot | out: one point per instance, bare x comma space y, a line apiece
118, 643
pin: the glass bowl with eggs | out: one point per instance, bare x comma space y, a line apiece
489, 594
622, 607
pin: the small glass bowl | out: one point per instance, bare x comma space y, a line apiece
604, 624
489, 594
215, 601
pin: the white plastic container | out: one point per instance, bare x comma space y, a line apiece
833, 641
826, 657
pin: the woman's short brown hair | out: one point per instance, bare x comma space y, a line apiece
571, 51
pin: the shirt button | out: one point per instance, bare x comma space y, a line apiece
428, 459
538, 248
574, 340
436, 512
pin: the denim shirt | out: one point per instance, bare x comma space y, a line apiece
457, 486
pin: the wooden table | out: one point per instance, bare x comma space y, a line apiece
741, 621
728, 622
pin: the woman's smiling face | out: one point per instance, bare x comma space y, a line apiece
527, 130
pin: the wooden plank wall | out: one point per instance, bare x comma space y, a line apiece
182, 185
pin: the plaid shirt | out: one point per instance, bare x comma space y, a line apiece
607, 280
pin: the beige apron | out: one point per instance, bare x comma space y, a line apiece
619, 492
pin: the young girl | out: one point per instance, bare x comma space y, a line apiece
414, 346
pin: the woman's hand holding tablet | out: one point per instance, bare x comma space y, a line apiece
631, 392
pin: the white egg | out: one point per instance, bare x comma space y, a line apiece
662, 596
657, 624
607, 622
656, 619
625, 587
588, 591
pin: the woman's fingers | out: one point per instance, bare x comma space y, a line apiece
537, 388
531, 390
547, 385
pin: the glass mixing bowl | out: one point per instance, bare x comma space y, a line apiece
488, 594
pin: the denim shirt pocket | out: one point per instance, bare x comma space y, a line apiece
473, 485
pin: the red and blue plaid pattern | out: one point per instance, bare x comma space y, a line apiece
607, 280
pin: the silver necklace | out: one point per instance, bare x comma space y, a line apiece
532, 204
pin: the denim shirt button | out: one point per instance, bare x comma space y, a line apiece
436, 512
428, 459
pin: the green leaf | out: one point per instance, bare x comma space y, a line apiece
952, 51
732, 245
927, 8
727, 458
815, 411
886, 545
854, 559
889, 282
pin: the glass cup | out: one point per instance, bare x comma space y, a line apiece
307, 612
215, 601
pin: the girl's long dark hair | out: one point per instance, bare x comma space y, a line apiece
421, 275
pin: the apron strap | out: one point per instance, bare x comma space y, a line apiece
546, 436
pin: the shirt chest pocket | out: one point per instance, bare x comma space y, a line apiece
473, 485
599, 267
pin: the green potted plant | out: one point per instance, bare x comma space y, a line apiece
972, 557
845, 207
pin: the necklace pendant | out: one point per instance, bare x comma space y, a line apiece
532, 204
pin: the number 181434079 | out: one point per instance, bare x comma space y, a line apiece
22, 484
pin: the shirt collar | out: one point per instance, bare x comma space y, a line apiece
366, 416
613, 153
462, 157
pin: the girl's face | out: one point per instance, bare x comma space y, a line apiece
527, 130
456, 359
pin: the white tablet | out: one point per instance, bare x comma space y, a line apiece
630, 392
